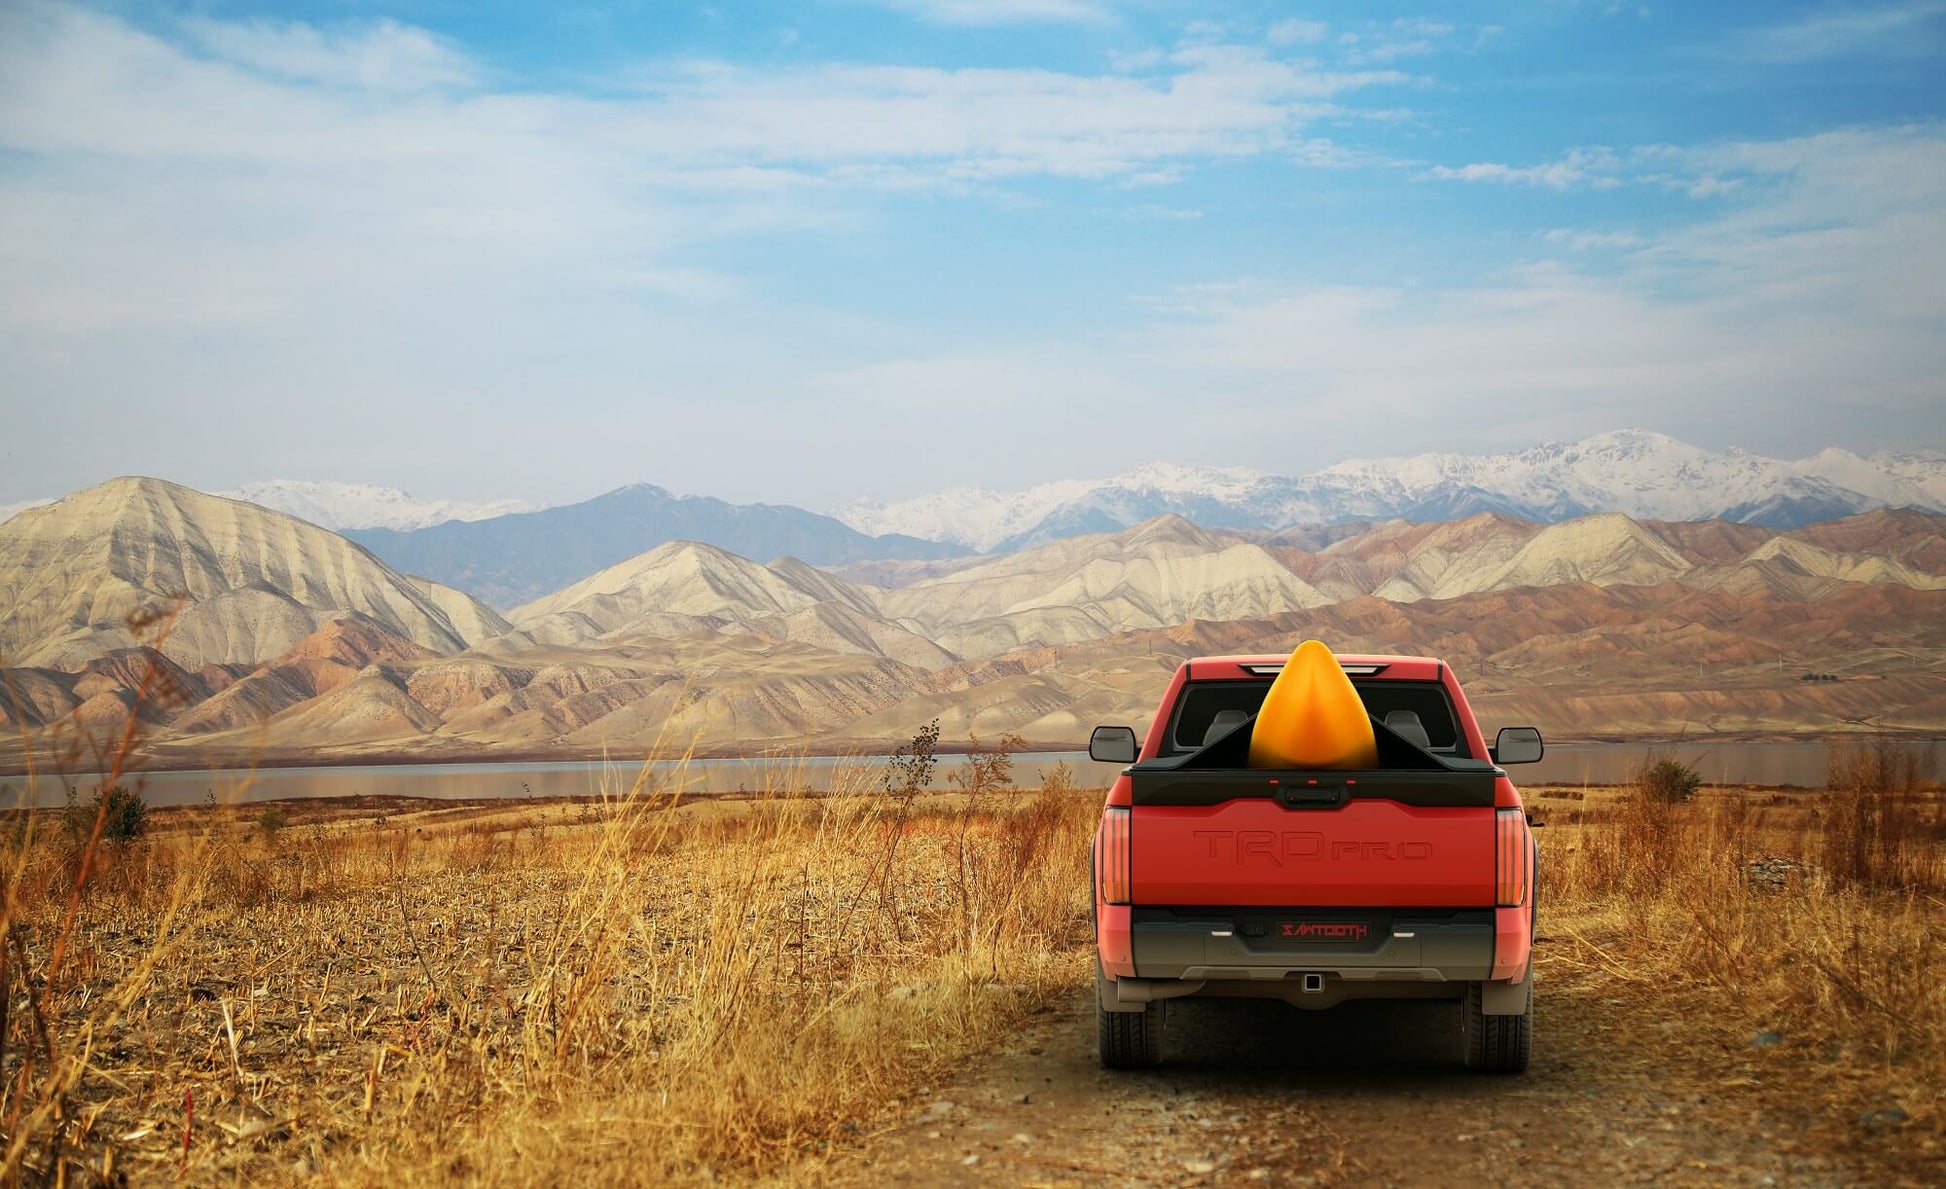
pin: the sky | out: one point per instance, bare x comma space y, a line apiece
813, 251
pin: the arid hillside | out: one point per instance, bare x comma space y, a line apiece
248, 583
293, 643
1580, 661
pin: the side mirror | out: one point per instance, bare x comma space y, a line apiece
1517, 745
1112, 745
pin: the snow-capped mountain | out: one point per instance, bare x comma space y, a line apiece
1894, 478
364, 505
988, 520
1635, 472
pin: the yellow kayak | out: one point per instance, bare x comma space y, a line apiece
1312, 717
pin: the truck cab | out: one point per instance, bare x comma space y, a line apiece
1412, 879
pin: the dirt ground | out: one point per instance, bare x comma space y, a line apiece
1624, 1090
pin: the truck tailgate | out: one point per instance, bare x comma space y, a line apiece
1367, 840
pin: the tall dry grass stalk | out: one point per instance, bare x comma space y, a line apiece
1880, 830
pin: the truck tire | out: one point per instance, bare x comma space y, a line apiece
1497, 1044
1128, 1039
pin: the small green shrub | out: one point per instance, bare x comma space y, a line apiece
126, 817
1666, 780
1059, 780
989, 765
910, 769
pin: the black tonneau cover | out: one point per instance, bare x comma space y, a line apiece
1220, 771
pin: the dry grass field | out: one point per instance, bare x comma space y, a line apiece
1804, 928
630, 990
636, 989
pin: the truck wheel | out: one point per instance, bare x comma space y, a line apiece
1497, 1044
1128, 1039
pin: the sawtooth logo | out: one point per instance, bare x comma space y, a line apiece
1326, 930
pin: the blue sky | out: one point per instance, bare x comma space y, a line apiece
807, 252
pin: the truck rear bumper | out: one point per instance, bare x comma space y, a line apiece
1307, 989
1352, 945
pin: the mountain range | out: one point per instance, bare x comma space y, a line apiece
339, 506
506, 553
511, 559
1637, 473
288, 640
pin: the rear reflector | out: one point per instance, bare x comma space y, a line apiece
1513, 859
1111, 857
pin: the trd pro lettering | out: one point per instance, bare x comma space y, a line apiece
1281, 847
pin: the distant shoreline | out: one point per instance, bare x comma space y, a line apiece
174, 760
169, 761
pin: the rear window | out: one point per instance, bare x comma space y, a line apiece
1202, 701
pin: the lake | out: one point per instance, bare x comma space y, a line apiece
1787, 764
452, 782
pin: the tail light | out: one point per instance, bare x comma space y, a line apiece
1111, 857
1513, 859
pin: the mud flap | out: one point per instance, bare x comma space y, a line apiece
1107, 1000
1135, 994
1508, 999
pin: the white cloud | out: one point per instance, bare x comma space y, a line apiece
1698, 172
1297, 30
1808, 312
76, 82
1587, 241
261, 170
1205, 31
1386, 42
1005, 12
1891, 29
1215, 101
1392, 51
1020, 409
1322, 153
357, 245
1853, 218
375, 256
1809, 307
1582, 167
384, 56
1804, 311
1156, 211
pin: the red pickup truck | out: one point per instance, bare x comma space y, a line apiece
1414, 879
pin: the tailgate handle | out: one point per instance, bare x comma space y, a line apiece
1311, 796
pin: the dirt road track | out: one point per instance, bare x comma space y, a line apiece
1622, 1092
